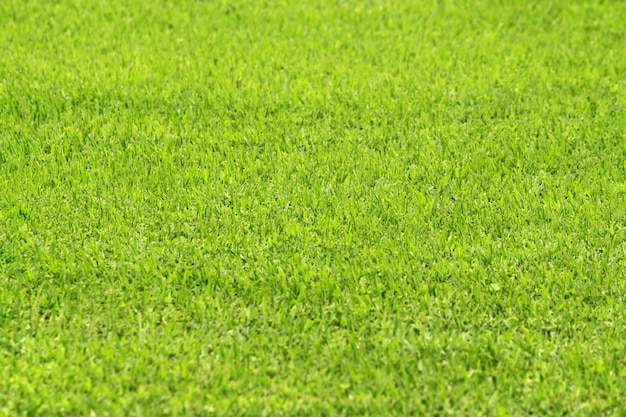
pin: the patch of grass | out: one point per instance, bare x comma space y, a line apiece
312, 208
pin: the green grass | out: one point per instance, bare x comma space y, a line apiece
312, 208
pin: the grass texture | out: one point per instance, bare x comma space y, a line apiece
315, 207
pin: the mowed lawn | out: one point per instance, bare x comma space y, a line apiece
248, 207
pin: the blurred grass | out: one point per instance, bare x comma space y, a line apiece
311, 208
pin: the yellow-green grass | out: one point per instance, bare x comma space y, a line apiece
312, 207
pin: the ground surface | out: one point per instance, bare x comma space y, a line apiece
312, 208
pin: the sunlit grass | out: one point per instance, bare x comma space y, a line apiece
312, 208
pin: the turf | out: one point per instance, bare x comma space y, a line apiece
312, 208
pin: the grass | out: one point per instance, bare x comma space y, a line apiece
312, 208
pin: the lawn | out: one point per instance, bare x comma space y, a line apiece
259, 207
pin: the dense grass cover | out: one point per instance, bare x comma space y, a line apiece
312, 207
